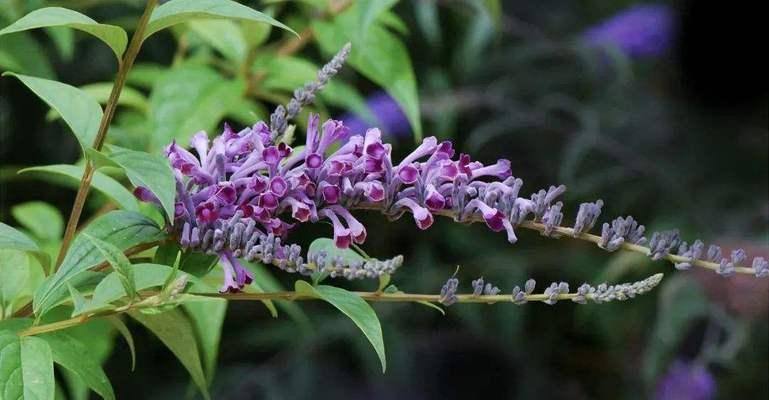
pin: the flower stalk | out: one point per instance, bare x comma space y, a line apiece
159, 299
563, 231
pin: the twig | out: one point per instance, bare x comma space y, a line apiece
109, 112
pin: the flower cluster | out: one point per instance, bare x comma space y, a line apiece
242, 192
602, 293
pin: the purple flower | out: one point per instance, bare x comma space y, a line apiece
388, 113
686, 381
240, 196
639, 31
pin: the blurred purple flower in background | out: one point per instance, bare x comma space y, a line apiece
686, 381
639, 31
391, 119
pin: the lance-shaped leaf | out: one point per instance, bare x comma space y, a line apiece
74, 356
26, 368
151, 171
114, 36
79, 110
123, 229
110, 289
22, 53
10, 238
104, 184
189, 99
119, 263
379, 56
175, 331
129, 339
207, 317
353, 306
178, 11
101, 91
41, 219
367, 12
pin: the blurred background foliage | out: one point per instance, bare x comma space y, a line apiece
645, 106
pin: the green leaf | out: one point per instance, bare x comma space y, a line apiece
114, 36
367, 12
97, 334
167, 254
380, 56
101, 182
681, 301
21, 53
126, 333
346, 96
384, 280
123, 229
11, 238
327, 245
15, 272
26, 368
196, 263
256, 287
79, 110
64, 40
144, 75
37, 368
78, 300
355, 308
174, 329
223, 35
119, 263
178, 11
40, 218
11, 376
394, 289
151, 171
269, 283
288, 73
188, 99
110, 289
255, 34
129, 97
207, 317
74, 356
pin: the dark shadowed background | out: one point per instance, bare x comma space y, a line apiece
660, 109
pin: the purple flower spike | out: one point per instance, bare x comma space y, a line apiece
226, 194
342, 235
278, 186
639, 31
244, 192
145, 195
330, 192
271, 155
500, 170
408, 174
313, 160
434, 200
230, 285
422, 217
493, 217
686, 381
206, 212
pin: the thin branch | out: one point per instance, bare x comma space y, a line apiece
569, 233
290, 296
109, 112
